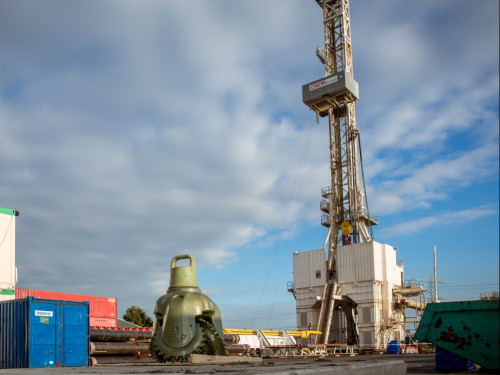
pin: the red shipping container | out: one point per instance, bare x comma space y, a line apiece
100, 307
103, 322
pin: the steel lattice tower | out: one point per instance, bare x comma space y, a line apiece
345, 206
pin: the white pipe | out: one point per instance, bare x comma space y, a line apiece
327, 237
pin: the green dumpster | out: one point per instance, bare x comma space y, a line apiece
469, 329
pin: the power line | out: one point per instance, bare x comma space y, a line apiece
469, 286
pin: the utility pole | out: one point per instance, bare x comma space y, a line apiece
435, 278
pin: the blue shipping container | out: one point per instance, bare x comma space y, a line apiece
43, 333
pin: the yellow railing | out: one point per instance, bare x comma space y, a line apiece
269, 332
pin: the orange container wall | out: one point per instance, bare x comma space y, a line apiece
103, 310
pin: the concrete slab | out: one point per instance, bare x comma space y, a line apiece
274, 367
417, 364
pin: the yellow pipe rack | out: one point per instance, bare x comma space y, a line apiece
269, 332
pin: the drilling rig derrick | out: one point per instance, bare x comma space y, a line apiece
345, 206
351, 290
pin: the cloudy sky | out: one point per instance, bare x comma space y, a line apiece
134, 131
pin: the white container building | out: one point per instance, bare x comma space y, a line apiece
369, 275
8, 272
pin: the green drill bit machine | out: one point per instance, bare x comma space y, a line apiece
186, 321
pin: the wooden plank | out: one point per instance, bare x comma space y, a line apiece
203, 359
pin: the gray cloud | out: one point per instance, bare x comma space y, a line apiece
131, 132
462, 216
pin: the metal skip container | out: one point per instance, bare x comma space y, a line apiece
469, 329
43, 333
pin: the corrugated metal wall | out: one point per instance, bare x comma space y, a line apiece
309, 269
43, 333
359, 262
14, 334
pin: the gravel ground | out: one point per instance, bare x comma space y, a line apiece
417, 364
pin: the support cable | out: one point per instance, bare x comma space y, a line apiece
289, 221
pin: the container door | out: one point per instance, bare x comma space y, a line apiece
44, 335
75, 335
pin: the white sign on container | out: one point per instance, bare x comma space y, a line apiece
44, 313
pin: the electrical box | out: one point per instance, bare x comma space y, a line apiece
334, 89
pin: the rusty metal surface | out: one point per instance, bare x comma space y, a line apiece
469, 329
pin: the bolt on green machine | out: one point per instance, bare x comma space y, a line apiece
186, 321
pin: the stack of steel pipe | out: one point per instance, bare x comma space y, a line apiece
233, 346
111, 346
115, 335
114, 346
231, 339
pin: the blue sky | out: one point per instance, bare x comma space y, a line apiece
131, 132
